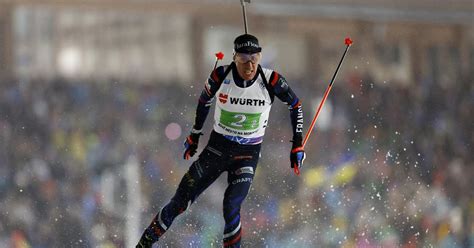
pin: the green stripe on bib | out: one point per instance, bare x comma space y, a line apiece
240, 121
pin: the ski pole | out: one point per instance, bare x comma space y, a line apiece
244, 12
219, 56
348, 43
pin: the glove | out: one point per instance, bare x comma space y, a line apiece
191, 144
297, 155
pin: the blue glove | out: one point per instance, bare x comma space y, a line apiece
191, 144
297, 155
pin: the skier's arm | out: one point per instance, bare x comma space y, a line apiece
283, 91
207, 96
204, 104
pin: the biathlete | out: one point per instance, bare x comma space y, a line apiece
245, 93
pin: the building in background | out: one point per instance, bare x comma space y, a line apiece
175, 40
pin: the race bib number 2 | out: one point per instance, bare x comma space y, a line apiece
240, 121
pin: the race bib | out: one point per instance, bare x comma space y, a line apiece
240, 121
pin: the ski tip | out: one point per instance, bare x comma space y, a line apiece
219, 55
348, 41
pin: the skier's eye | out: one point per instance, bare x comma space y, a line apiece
244, 57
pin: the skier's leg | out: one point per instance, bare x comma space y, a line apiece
200, 175
239, 179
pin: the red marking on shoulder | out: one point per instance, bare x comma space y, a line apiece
275, 78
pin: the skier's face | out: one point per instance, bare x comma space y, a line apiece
247, 64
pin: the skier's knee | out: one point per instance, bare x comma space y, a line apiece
179, 205
190, 179
231, 213
187, 187
231, 208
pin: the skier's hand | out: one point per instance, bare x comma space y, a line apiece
191, 144
297, 155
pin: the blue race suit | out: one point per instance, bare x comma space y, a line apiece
223, 154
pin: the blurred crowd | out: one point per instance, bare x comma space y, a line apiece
392, 168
